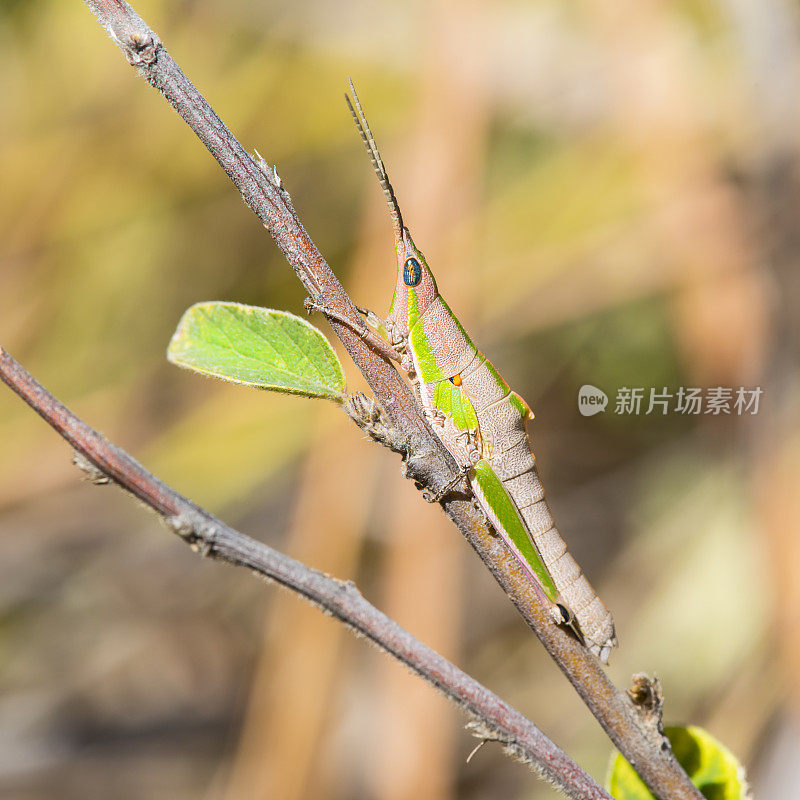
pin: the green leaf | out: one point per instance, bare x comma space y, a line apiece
257, 347
713, 769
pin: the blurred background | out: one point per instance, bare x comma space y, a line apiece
608, 193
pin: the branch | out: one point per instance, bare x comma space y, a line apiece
492, 719
427, 461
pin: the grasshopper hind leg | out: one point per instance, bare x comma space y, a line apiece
564, 618
562, 615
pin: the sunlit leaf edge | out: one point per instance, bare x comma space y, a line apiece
177, 353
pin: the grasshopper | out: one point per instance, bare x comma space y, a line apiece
481, 422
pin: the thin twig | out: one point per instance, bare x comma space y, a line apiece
492, 719
427, 462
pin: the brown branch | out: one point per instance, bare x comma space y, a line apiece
427, 462
492, 719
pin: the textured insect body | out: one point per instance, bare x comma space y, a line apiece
482, 422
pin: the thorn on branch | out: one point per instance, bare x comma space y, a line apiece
646, 693
271, 174
370, 417
475, 750
647, 696
141, 49
200, 537
91, 473
480, 730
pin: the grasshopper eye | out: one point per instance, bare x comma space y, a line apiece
412, 272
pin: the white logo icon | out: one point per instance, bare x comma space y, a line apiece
591, 400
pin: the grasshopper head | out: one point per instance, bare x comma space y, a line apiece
415, 289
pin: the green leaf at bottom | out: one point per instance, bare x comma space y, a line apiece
713, 769
257, 347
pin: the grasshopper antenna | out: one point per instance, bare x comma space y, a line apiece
375, 157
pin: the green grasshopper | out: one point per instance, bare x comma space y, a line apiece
481, 422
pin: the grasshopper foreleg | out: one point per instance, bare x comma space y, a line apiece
373, 320
369, 336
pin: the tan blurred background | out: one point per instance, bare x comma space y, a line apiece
608, 193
